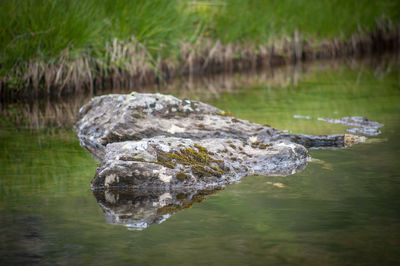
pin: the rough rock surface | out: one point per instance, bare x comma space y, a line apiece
116, 118
155, 140
176, 162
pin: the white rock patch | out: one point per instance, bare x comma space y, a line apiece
163, 176
110, 179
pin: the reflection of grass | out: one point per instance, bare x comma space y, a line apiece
39, 161
335, 92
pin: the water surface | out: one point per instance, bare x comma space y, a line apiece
344, 208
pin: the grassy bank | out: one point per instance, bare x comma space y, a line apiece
59, 46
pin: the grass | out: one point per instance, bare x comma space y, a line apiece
264, 19
51, 29
70, 37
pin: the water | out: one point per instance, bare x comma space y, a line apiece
344, 208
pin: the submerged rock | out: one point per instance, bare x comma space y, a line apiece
155, 140
324, 141
357, 121
369, 131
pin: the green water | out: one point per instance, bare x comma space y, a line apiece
344, 208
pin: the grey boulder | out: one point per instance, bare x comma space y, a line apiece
159, 141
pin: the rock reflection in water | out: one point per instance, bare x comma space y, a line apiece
138, 209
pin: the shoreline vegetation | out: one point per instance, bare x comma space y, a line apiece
62, 112
56, 48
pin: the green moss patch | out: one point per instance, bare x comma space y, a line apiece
259, 145
198, 159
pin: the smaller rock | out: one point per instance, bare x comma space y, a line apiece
361, 125
369, 131
356, 121
324, 141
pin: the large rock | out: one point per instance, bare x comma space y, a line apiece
155, 140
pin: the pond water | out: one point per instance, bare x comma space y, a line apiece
344, 208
